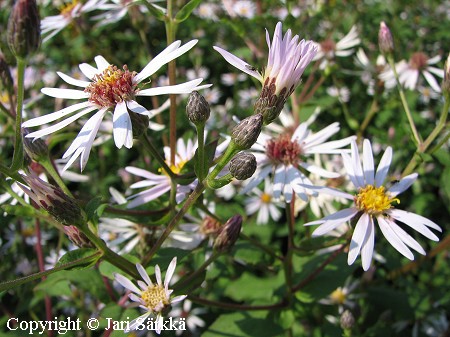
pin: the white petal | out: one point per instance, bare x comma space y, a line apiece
65, 93
358, 237
279, 181
417, 222
141, 173
123, 134
88, 70
126, 283
431, 81
383, 167
367, 246
403, 184
56, 115
238, 63
137, 108
368, 166
183, 88
147, 196
170, 271
101, 62
405, 237
356, 162
334, 220
73, 81
330, 191
144, 274
393, 238
319, 171
158, 275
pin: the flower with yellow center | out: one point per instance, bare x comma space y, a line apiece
151, 297
374, 201
264, 204
110, 89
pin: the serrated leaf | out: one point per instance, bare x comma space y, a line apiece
186, 11
86, 256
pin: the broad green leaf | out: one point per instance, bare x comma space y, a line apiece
86, 257
186, 11
252, 288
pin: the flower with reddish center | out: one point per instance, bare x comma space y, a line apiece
151, 297
110, 89
288, 58
285, 156
373, 201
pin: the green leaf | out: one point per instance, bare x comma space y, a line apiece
156, 11
186, 11
249, 287
108, 270
19, 210
94, 209
81, 258
244, 324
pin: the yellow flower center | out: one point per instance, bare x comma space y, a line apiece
175, 168
374, 200
266, 198
112, 86
67, 9
27, 232
338, 296
153, 296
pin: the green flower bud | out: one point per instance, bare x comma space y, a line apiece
228, 234
385, 41
78, 238
24, 28
245, 134
243, 166
197, 108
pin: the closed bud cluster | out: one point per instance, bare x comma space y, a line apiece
6, 78
78, 238
446, 80
24, 32
36, 149
197, 108
385, 40
242, 166
347, 320
228, 234
60, 206
245, 134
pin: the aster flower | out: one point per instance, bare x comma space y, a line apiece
161, 183
186, 311
329, 49
264, 204
285, 156
244, 8
409, 72
52, 25
288, 58
121, 232
344, 297
374, 201
110, 89
151, 297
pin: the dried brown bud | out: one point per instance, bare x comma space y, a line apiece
197, 108
228, 234
36, 149
385, 41
63, 208
24, 28
77, 237
242, 166
245, 134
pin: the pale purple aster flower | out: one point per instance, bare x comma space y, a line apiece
161, 183
285, 156
110, 89
374, 202
409, 72
151, 297
287, 60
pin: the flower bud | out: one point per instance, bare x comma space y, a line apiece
78, 238
385, 41
36, 149
6, 78
139, 124
347, 320
446, 80
269, 106
60, 206
245, 134
197, 108
228, 234
242, 166
24, 28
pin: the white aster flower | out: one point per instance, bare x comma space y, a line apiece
193, 322
329, 49
151, 297
110, 89
230, 79
208, 11
264, 204
121, 235
343, 94
343, 297
409, 72
374, 201
52, 25
244, 8
161, 183
287, 60
285, 156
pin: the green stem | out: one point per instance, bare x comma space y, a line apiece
48, 165
372, 111
7, 172
175, 220
154, 152
414, 131
201, 152
288, 267
230, 152
423, 147
18, 145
